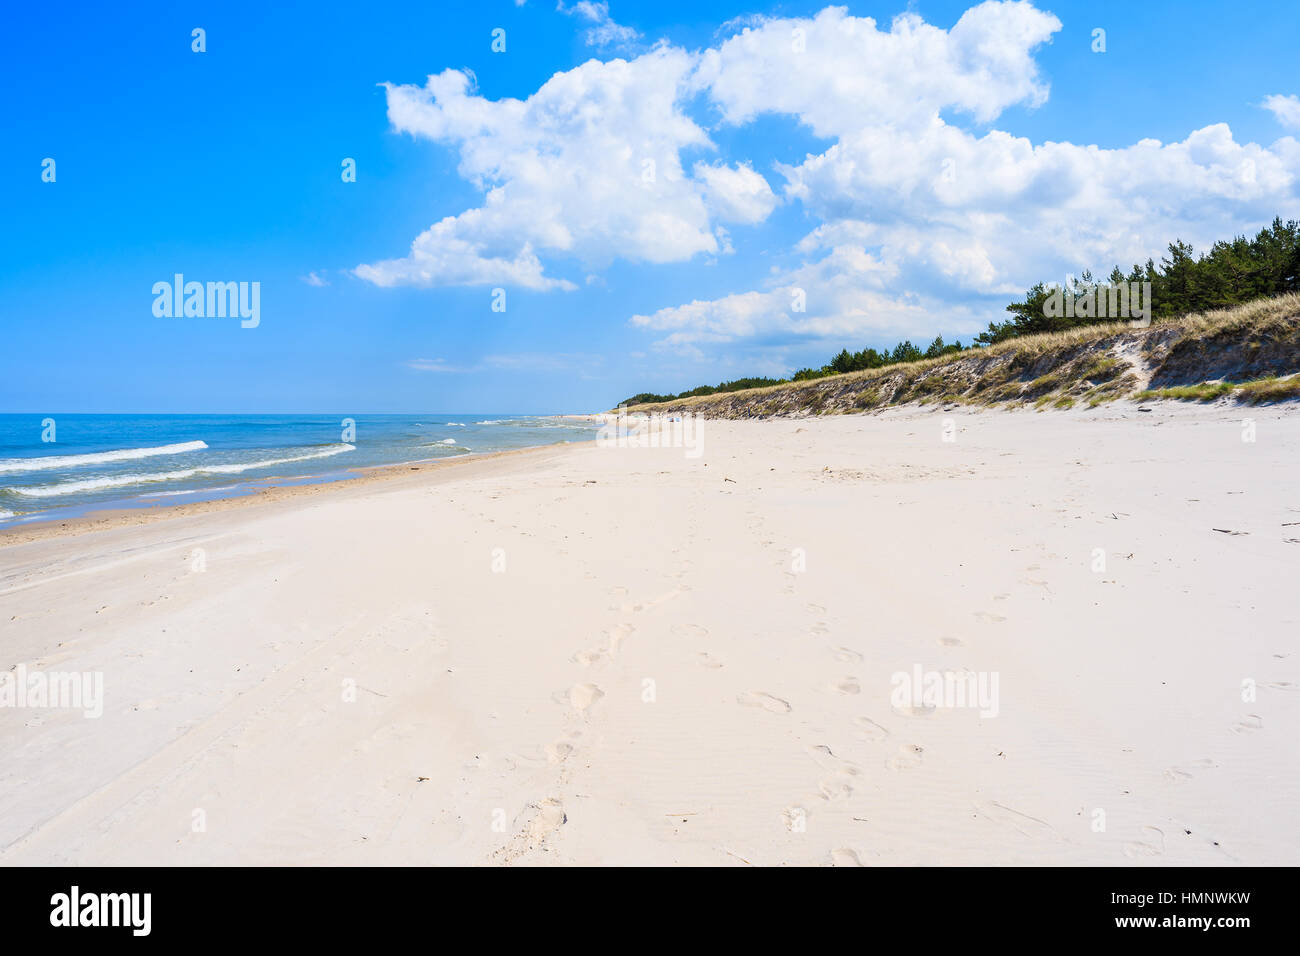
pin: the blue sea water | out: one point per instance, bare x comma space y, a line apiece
97, 461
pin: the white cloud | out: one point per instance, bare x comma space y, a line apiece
837, 73
922, 211
966, 223
604, 31
844, 292
1013, 210
952, 222
587, 168
441, 256
313, 279
735, 193
1285, 108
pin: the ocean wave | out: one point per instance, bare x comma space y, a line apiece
9, 465
118, 481
446, 444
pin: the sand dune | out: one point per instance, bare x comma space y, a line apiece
614, 656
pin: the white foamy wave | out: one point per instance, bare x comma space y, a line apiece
492, 421
7, 514
95, 458
457, 424
118, 481
236, 468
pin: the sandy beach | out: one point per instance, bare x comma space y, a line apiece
593, 655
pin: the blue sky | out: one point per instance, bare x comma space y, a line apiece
905, 175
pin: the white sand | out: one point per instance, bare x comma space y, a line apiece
519, 698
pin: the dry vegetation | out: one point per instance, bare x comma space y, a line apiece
1248, 353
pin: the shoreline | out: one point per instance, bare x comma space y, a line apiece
112, 516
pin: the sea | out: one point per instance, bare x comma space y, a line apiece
57, 466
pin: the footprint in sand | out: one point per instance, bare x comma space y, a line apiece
1250, 722
835, 788
617, 635
841, 773
816, 609
847, 655
795, 819
848, 685
907, 758
1151, 844
558, 751
583, 696
546, 817
868, 729
844, 857
950, 641
587, 658
989, 618
821, 627
758, 698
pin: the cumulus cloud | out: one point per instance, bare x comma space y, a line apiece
588, 168
921, 218
920, 207
837, 73
844, 291
1014, 209
735, 193
456, 251
1285, 108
